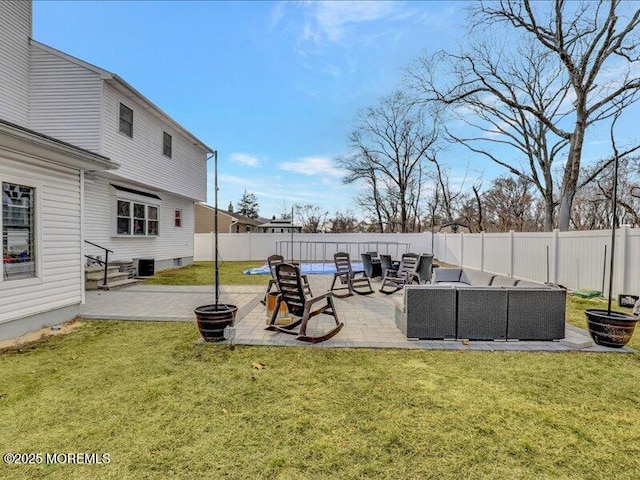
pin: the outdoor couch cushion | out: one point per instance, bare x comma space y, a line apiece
448, 274
525, 283
476, 277
500, 281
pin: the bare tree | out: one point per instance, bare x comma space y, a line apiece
585, 41
312, 217
392, 144
508, 136
284, 210
344, 223
510, 205
594, 199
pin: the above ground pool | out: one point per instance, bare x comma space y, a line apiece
306, 268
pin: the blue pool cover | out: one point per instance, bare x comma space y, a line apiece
307, 268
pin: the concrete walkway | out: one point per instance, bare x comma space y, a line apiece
369, 320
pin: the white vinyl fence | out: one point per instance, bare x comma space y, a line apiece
573, 259
577, 260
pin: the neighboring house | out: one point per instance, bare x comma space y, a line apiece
279, 225
228, 220
65, 127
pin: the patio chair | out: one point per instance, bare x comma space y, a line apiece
272, 261
386, 262
405, 274
293, 294
371, 268
349, 278
425, 268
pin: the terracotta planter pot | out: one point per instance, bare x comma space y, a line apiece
212, 320
610, 330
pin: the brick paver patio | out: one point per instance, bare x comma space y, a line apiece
369, 320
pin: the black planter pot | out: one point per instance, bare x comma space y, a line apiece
212, 320
610, 330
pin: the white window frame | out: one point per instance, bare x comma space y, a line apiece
164, 132
175, 211
133, 199
119, 118
37, 234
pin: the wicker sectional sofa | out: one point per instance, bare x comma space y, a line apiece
463, 303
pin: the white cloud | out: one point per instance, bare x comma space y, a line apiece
333, 18
232, 180
245, 159
313, 166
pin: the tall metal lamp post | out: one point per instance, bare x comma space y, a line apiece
212, 319
607, 327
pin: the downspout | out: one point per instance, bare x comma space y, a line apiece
82, 274
233, 222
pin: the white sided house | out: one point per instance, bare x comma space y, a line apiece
83, 157
144, 209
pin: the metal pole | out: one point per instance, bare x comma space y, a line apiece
604, 268
215, 225
548, 267
291, 234
106, 266
613, 229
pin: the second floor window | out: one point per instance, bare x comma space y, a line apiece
126, 120
166, 144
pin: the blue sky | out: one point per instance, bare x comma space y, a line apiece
273, 86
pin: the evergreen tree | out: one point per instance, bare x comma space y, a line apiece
248, 205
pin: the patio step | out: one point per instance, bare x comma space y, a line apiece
94, 277
118, 284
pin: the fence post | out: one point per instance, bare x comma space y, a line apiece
624, 233
461, 249
446, 256
482, 251
555, 247
511, 253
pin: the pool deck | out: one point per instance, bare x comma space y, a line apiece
369, 320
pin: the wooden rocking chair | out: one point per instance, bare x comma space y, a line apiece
292, 293
272, 261
348, 278
406, 273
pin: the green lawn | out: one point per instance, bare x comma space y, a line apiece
163, 407
201, 273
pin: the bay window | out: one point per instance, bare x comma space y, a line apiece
136, 218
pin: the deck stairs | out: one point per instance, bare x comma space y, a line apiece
94, 278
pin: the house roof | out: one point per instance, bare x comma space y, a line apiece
20, 138
241, 218
129, 91
279, 223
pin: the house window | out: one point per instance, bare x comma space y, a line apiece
135, 218
18, 232
178, 218
166, 144
126, 120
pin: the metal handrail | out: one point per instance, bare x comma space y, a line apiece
106, 259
